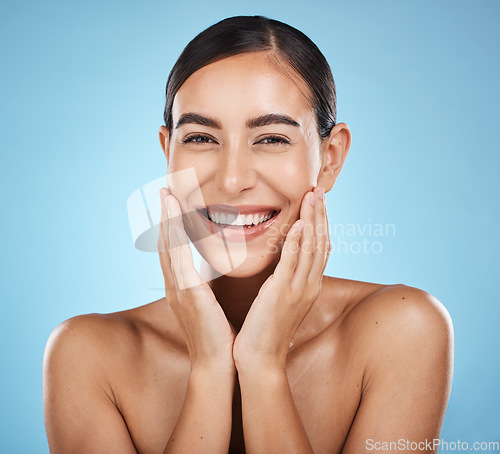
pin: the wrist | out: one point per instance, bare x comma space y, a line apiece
216, 382
213, 370
265, 357
262, 378
260, 366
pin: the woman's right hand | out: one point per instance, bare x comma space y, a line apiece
207, 332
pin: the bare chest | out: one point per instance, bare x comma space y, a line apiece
325, 384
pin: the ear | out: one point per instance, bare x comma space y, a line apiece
335, 150
164, 141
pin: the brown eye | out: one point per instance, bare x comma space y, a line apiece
197, 138
274, 140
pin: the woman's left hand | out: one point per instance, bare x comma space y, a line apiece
287, 295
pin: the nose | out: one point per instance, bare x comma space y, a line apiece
235, 171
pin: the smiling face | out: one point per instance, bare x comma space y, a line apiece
244, 149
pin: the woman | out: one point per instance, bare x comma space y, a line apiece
265, 354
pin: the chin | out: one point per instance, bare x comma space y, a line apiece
253, 267
236, 260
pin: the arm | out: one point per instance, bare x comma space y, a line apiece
407, 379
271, 422
205, 422
80, 411
80, 415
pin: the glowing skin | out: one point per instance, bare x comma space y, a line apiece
323, 363
237, 165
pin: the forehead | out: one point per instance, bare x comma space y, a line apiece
243, 86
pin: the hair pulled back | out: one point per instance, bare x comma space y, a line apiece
241, 34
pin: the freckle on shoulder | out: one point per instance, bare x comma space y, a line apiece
409, 306
377, 304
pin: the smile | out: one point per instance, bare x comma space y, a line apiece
226, 219
238, 222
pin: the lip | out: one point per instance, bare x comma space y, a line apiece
239, 209
233, 232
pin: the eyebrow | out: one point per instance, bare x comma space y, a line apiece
263, 120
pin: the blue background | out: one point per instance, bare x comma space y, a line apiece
82, 90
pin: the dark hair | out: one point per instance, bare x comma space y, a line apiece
241, 34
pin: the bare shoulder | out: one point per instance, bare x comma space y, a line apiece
398, 327
95, 327
401, 310
400, 340
95, 343
77, 390
80, 354
89, 336
386, 321
94, 366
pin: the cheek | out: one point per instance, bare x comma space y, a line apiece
295, 178
203, 164
183, 180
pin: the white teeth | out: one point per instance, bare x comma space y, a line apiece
240, 220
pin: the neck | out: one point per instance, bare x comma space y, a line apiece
236, 294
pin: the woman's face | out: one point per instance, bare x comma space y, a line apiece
220, 163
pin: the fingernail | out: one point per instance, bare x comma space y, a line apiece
312, 199
321, 193
301, 226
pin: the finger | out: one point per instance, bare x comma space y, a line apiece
162, 240
162, 243
182, 265
322, 235
163, 193
307, 242
289, 254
